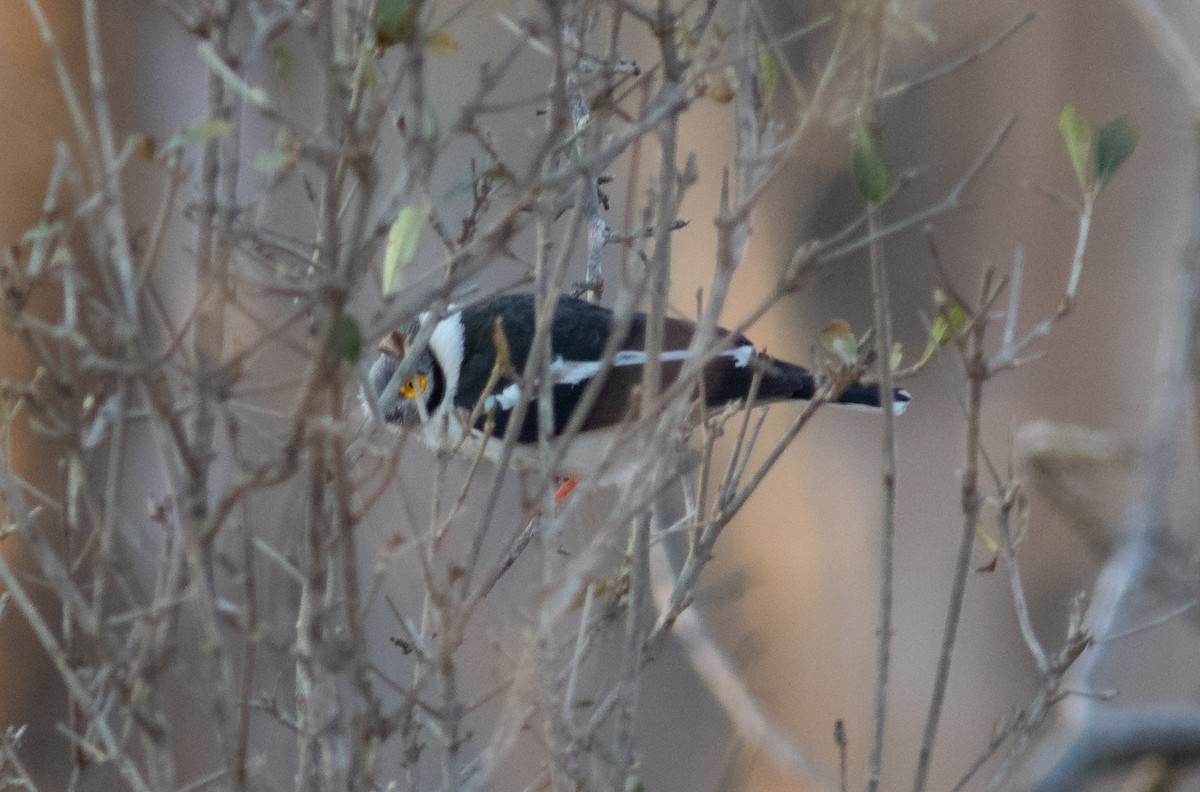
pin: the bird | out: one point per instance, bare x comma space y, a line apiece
471, 371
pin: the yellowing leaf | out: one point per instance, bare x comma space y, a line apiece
402, 242
439, 42
503, 350
1077, 136
768, 74
949, 325
838, 339
282, 61
199, 134
991, 544
719, 88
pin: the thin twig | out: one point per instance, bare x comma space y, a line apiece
955, 65
971, 502
952, 200
726, 685
96, 718
881, 298
1010, 500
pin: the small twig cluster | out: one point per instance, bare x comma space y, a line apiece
214, 543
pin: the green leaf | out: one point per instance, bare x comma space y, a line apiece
395, 22
768, 74
271, 161
430, 126
402, 242
282, 61
866, 161
347, 338
1076, 133
949, 325
199, 134
1115, 141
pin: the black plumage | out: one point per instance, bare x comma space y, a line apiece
579, 335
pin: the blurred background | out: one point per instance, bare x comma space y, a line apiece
793, 591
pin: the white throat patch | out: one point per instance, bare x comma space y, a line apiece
446, 344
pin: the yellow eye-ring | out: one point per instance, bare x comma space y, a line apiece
409, 390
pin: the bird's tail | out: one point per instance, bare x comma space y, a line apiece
866, 396
790, 381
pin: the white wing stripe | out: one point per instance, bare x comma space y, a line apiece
741, 355
504, 400
572, 372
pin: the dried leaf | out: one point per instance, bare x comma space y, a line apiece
503, 350
393, 345
838, 339
720, 88
439, 42
146, 147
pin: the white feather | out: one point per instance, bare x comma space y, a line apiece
504, 400
741, 355
446, 344
572, 372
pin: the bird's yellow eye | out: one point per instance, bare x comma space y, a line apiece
412, 387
